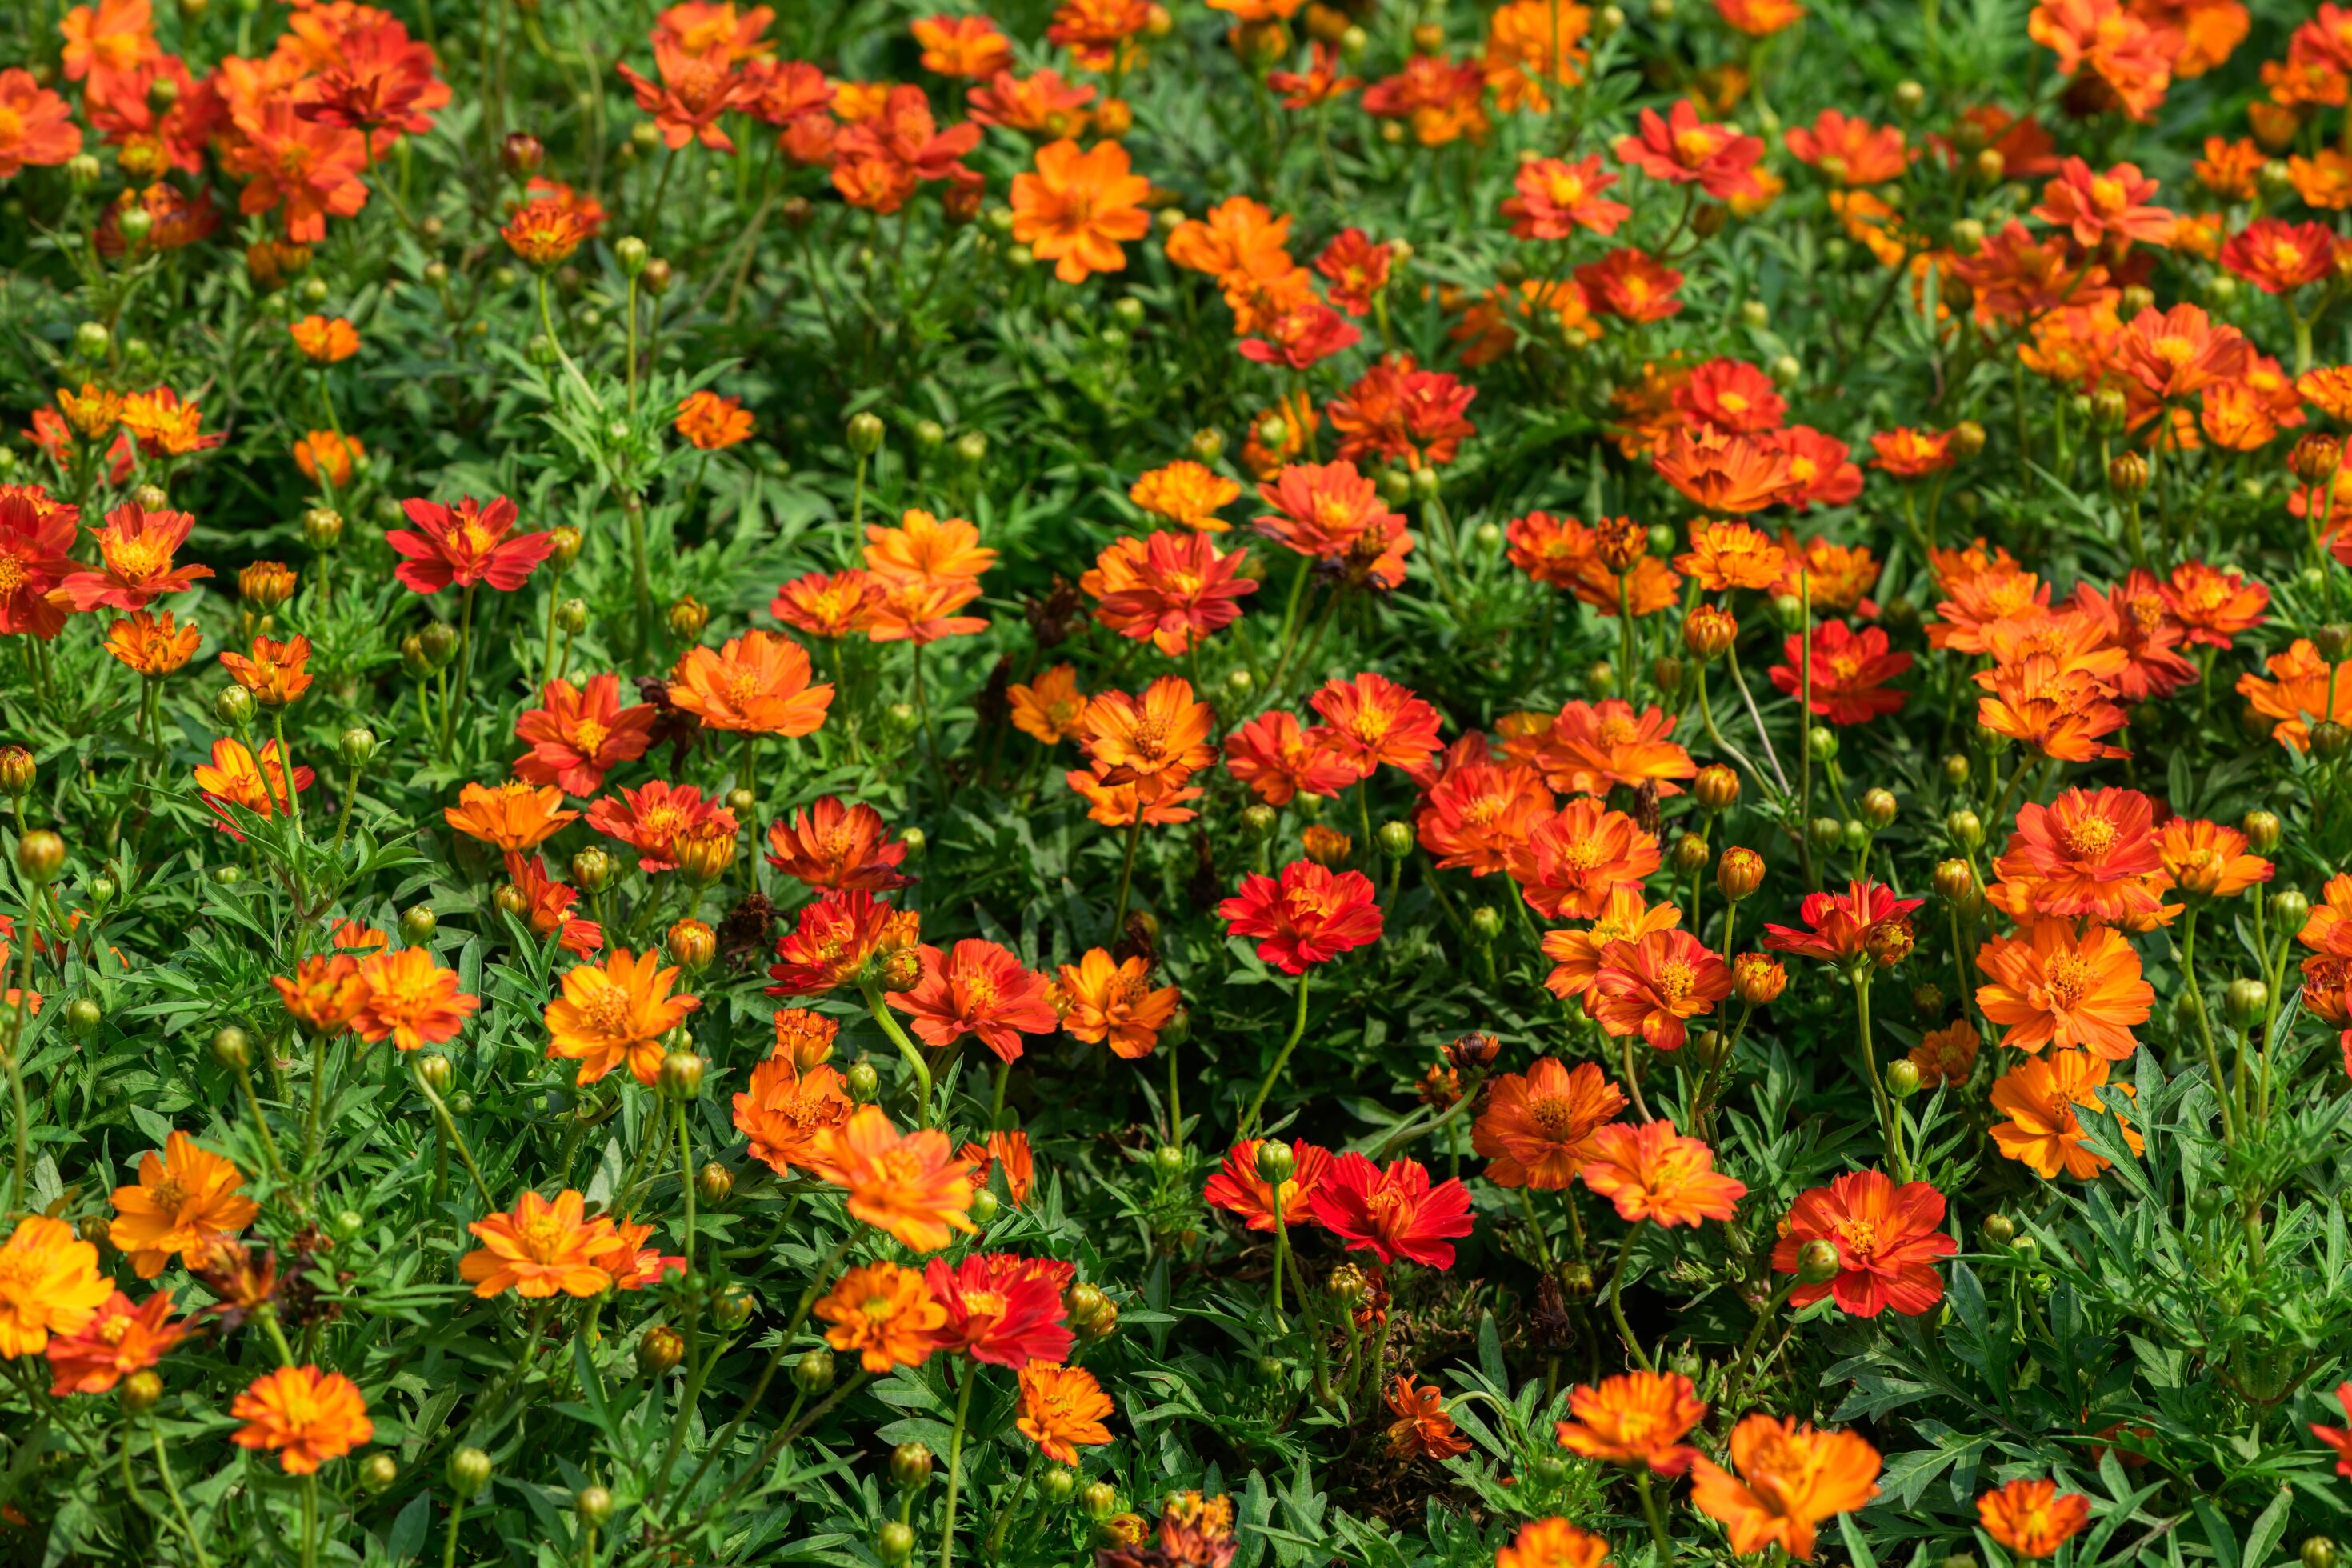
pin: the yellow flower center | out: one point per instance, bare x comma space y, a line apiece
588, 737
2067, 977
1555, 1116
2089, 838
1675, 979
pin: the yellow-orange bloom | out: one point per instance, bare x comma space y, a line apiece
1791, 1478
757, 683
1074, 208
2043, 1098
2050, 987
49, 1284
1553, 1543
152, 643
1155, 743
711, 423
513, 815
275, 672
305, 1415
2033, 1518
187, 1201
615, 1011
1188, 494
410, 1000
885, 1313
1062, 1409
540, 1247
911, 1184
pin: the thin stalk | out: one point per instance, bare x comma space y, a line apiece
1298, 1030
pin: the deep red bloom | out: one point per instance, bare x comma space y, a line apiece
1398, 411
1353, 270
1001, 1310
1850, 670
837, 937
1395, 1212
380, 80
1279, 759
1311, 916
1682, 148
37, 541
1173, 588
835, 846
466, 546
1887, 1240
1844, 926
1238, 1189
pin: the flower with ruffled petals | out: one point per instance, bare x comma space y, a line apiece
1791, 1478
830, 606
785, 1110
303, 1415
187, 1201
1173, 589
2044, 1098
756, 684
275, 672
1001, 1309
1653, 1172
542, 1247
2050, 987
136, 547
1280, 760
1061, 1410
49, 1286
1570, 865
1650, 985
577, 735
980, 989
885, 1313
1537, 1128
1076, 208
1887, 1239
1103, 999
466, 545
1842, 928
1371, 719
1849, 671
2032, 1517
1394, 1213
1554, 198
1311, 916
1634, 1418
910, 1185
120, 1339
1682, 148
1154, 742
1239, 1189
615, 1012
660, 820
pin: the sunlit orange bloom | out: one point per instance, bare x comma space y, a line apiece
1049, 707
2059, 714
1171, 588
236, 776
922, 610
50, 1285
1682, 148
325, 340
1945, 1056
1187, 494
697, 89
1555, 198
1062, 1410
1371, 719
545, 233
1154, 742
1588, 748
2041, 1098
711, 423
1569, 865
2110, 209
275, 672
962, 46
2089, 852
108, 39
660, 821
303, 1415
2232, 416
787, 1107
2299, 697
615, 1011
1239, 1189
323, 453
1442, 99
1577, 954
2208, 859
136, 547
511, 816
1791, 1478
977, 988
1007, 1150
579, 734
831, 606
2279, 257
884, 1313
1887, 1239
754, 684
547, 906
411, 1000
1653, 1172
831, 845
1849, 150
1239, 238
1310, 917
1537, 1128
2002, 591
324, 993
1909, 454
925, 547
1323, 510
2214, 604
1104, 1000
2328, 928
2173, 353
2050, 987
838, 938
540, 1247
1633, 286
1323, 81
1634, 1418
910, 1185
2102, 41
1532, 44
2032, 1517
1555, 1543
1478, 811
1421, 1430
187, 1201
120, 1339
1649, 985
1723, 471
152, 643
1724, 555
1074, 208
2015, 277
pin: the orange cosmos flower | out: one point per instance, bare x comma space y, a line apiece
2043, 1097
978, 989
756, 684
616, 1011
1723, 471
1634, 1418
136, 547
50, 1285
1945, 1056
2061, 714
1049, 707
274, 672
1577, 954
545, 233
835, 846
1280, 761
661, 821
410, 1000
923, 610
1553, 1543
2110, 209
1909, 454
1649, 985
323, 452
187, 1201
1326, 511
37, 127
925, 547
325, 340
832, 606
160, 423
1537, 1128
1653, 1172
1422, 1430
1478, 811
119, 1340
1155, 743
1104, 1000
1682, 148
1074, 208
2278, 257
695, 90
1239, 1189
547, 906
1186, 493
1569, 865
1633, 286
1791, 1478
1312, 916
2172, 353
786, 1110
962, 46
1837, 576
1062, 1408
1008, 1151
1588, 748
885, 1313
303, 1415
469, 543
1848, 150
710, 423
324, 994
1724, 555
1371, 719
1887, 1240
152, 643
578, 734
1239, 239
2301, 696
1848, 671
2052, 987
1172, 588
911, 1186
236, 776
513, 815
2032, 1517
542, 1247
2089, 852
1555, 198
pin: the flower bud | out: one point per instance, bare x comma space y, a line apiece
1997, 1229
470, 1472
1276, 1162
693, 943
2127, 476
2291, 907
688, 617
1878, 808
865, 434
323, 527
594, 1505
1690, 855
1099, 1500
2262, 829
630, 252
1817, 1262
2318, 1552
1486, 925
2109, 410
1395, 839
864, 1082
1716, 787
681, 1075
813, 1373
910, 1466
661, 1347
715, 1183
16, 771
233, 1048
356, 746
1822, 742
591, 869
83, 1016
1739, 873
2330, 737
1759, 978
571, 616
440, 642
417, 924
1666, 673
1474, 1052
1824, 834
895, 1541
2316, 459
1057, 1483
984, 1206
1708, 632
40, 855
234, 708
378, 1473
1902, 1077
2246, 1000
140, 1391
1709, 1047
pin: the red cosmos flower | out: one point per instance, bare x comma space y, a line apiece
1477, 813
578, 735
1631, 285
980, 989
1887, 1239
465, 546
120, 1340
547, 907
837, 937
1721, 471
2277, 257
1569, 865
1353, 270
1300, 336
1731, 395
1320, 83
2141, 621
42, 133
1850, 670
1555, 198
2014, 276
148, 137
1819, 473
1653, 1172
2088, 853
1238, 1189
695, 90
1280, 761
2111, 209
1371, 719
2173, 353
380, 79
37, 541
1173, 588
1398, 411
834, 606
1311, 916
1443, 100
1393, 1213
1330, 512
1909, 454
1649, 986
312, 170
1842, 927
2214, 604
2337, 1438
1682, 148
1001, 1310
137, 547
657, 819
1848, 150
834, 846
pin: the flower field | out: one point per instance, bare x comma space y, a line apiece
1255, 784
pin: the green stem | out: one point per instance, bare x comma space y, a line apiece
914, 1058
1298, 1030
1617, 1305
955, 1462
